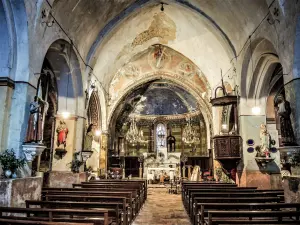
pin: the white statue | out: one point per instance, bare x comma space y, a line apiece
265, 139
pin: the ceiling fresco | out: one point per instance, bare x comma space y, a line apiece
161, 61
163, 98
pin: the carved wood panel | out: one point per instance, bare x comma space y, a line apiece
227, 147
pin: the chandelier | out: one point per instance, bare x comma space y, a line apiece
189, 135
134, 135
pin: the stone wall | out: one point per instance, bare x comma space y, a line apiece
14, 192
291, 186
61, 179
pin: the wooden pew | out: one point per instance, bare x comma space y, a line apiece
186, 194
252, 217
144, 182
128, 195
250, 195
112, 208
205, 207
137, 187
88, 198
32, 222
198, 201
98, 217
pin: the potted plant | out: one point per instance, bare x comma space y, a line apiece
10, 163
76, 163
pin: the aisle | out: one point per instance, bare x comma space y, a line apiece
162, 208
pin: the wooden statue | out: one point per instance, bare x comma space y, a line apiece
34, 128
88, 139
284, 112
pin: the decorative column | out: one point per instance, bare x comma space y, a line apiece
103, 154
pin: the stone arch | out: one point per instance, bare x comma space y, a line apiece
258, 54
66, 68
203, 102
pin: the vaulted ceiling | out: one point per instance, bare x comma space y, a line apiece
109, 33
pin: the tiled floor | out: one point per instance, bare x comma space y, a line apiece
162, 208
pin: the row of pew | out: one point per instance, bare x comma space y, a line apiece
98, 202
212, 203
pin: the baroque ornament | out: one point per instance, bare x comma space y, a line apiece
134, 135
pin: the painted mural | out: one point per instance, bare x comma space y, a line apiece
158, 60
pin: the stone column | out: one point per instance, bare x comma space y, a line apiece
103, 153
6, 91
22, 95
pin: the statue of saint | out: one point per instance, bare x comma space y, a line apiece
35, 122
88, 139
265, 140
62, 133
286, 129
196, 174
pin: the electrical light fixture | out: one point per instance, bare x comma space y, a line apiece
97, 133
256, 110
65, 115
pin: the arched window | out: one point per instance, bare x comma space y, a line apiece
161, 132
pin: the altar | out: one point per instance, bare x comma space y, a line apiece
161, 163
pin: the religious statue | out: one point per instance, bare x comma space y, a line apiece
265, 140
196, 174
35, 123
62, 133
88, 139
284, 112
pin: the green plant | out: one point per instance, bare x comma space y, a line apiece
9, 161
75, 164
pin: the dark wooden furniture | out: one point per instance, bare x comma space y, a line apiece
98, 217
227, 147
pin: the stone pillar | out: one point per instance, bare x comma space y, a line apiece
22, 95
6, 92
103, 154
249, 174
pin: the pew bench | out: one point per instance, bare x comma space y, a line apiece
252, 217
113, 208
32, 222
125, 207
97, 217
135, 206
251, 195
202, 212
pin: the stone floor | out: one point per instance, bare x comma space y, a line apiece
162, 208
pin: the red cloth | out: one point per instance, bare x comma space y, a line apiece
62, 136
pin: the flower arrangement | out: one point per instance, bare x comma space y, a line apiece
10, 162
